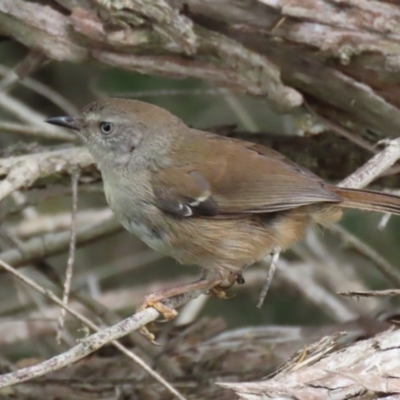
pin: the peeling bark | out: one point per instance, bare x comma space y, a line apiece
366, 370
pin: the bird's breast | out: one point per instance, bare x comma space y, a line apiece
133, 208
140, 221
152, 235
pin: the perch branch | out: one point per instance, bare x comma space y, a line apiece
91, 343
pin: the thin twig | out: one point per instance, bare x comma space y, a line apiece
372, 293
340, 130
46, 91
271, 272
33, 118
335, 272
387, 269
314, 292
34, 60
386, 217
44, 246
384, 221
45, 223
28, 130
155, 93
71, 257
40, 302
240, 110
89, 344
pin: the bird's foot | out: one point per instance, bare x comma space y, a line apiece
154, 301
228, 282
220, 293
158, 299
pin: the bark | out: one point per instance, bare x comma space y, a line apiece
341, 57
197, 356
365, 370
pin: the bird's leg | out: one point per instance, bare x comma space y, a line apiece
155, 299
228, 282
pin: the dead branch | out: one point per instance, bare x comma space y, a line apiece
364, 370
41, 247
91, 343
201, 353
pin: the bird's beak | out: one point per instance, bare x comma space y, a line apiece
66, 122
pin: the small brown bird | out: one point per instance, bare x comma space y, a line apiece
219, 203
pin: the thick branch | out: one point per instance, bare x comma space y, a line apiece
367, 369
220, 59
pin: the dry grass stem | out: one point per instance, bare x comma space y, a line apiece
89, 344
71, 253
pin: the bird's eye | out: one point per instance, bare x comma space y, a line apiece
106, 128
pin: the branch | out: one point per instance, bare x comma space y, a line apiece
391, 273
323, 50
372, 293
41, 247
375, 166
168, 22
94, 342
21, 172
327, 373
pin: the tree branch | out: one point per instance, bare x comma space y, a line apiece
326, 372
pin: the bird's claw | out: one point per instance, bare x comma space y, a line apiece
167, 312
220, 293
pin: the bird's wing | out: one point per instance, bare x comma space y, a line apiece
231, 177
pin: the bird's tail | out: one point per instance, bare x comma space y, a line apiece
368, 200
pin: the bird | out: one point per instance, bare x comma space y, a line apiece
208, 200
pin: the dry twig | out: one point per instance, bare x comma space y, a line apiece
371, 293
41, 247
71, 255
388, 270
45, 91
91, 343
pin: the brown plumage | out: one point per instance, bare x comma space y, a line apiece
253, 200
216, 202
